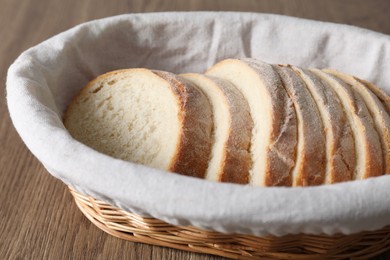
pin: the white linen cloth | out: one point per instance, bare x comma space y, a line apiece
43, 79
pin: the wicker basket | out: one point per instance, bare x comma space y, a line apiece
152, 231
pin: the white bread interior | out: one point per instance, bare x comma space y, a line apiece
116, 115
274, 134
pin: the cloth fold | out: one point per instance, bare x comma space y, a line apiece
41, 82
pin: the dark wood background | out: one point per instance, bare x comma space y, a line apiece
38, 218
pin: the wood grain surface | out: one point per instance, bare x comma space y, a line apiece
38, 218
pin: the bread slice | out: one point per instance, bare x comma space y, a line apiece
146, 117
340, 146
274, 135
230, 160
310, 165
368, 148
381, 94
376, 109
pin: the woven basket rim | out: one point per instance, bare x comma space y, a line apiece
135, 228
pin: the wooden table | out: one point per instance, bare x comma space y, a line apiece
38, 218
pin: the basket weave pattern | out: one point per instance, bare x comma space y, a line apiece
135, 228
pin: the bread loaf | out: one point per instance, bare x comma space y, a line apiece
146, 117
244, 121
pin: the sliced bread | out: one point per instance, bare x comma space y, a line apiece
310, 165
368, 149
376, 109
381, 94
146, 117
230, 158
274, 135
340, 146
